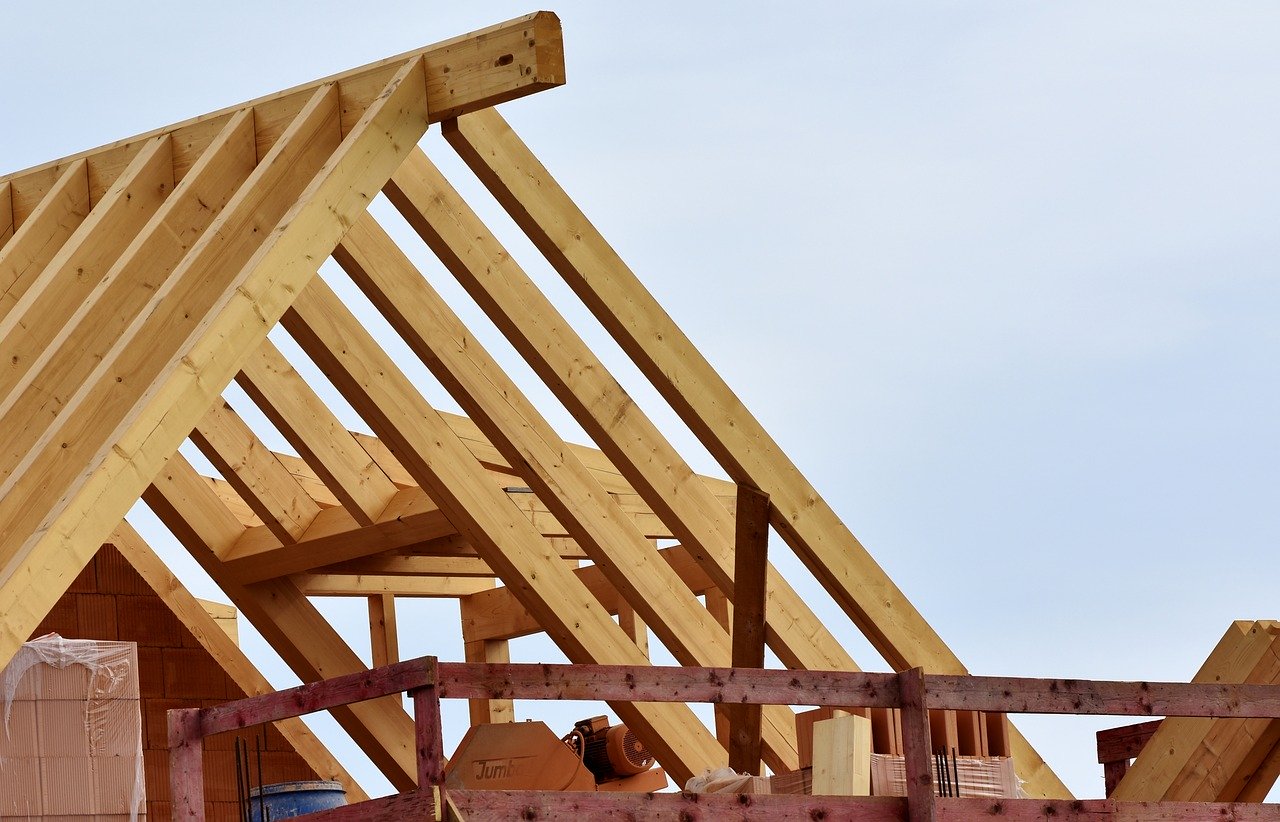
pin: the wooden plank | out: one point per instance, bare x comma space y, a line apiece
497, 614
46, 312
429, 736
313, 697
751, 559
549, 806
214, 638
590, 514
37, 239
6, 214
334, 536
634, 627
315, 432
190, 377
271, 491
401, 564
475, 70
384, 641
917, 747
710, 408
442, 466
186, 772
556, 807
1210, 774
582, 382
123, 375
342, 585
290, 624
842, 756
1124, 743
866, 690
1175, 743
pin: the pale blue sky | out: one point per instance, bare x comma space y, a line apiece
1000, 277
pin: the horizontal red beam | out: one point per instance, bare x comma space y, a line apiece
841, 689
547, 806
319, 696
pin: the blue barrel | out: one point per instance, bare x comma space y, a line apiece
286, 800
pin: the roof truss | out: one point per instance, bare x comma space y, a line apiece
139, 279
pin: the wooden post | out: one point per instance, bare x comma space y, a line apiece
917, 747
383, 636
186, 766
750, 566
428, 733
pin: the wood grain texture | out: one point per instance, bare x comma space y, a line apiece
511, 422
475, 70
709, 407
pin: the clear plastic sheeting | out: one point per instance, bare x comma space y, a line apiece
72, 741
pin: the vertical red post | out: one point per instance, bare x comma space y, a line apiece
427, 731
186, 764
917, 747
750, 571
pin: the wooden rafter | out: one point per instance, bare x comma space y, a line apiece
311, 428
214, 322
254, 471
281, 613
6, 214
598, 402
591, 516
35, 242
43, 306
214, 639
709, 407
441, 464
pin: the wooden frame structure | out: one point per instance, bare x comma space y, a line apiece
138, 280
428, 681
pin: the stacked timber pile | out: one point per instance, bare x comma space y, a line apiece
1193, 759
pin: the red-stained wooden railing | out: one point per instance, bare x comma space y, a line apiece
912, 691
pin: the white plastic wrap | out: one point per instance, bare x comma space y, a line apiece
726, 780
72, 741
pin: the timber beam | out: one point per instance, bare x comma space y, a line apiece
465, 73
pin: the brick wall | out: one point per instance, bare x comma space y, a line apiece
109, 600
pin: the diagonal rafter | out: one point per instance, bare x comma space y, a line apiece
598, 402
6, 213
300, 634
75, 508
44, 332
97, 311
709, 407
39, 310
591, 516
441, 464
224, 649
36, 240
266, 485
315, 432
